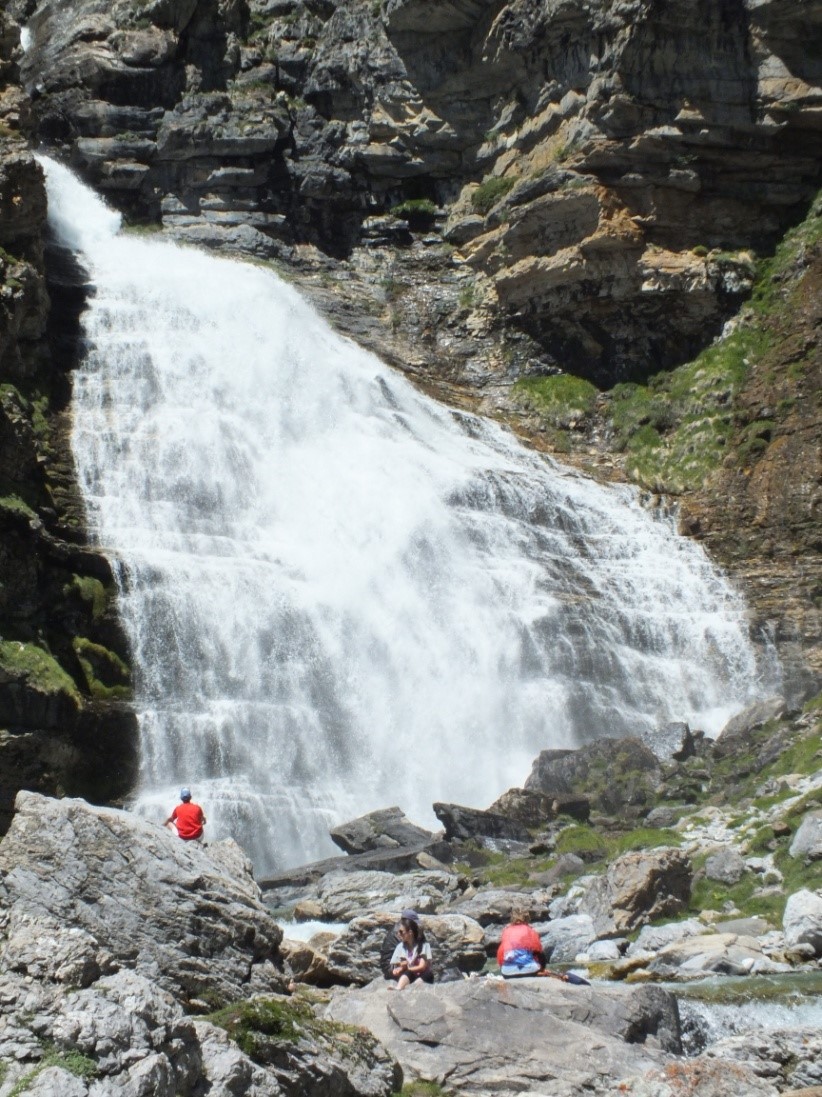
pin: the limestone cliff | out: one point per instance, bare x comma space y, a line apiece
63, 726
500, 197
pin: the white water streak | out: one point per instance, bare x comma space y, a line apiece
341, 595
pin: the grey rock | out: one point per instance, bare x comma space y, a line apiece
654, 938
617, 776
727, 866
737, 732
489, 1035
807, 842
56, 1082
227, 1071
463, 823
495, 905
343, 896
700, 1078
354, 957
387, 828
802, 920
166, 908
564, 938
638, 888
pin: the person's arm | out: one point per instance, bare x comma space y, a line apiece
399, 964
171, 818
421, 962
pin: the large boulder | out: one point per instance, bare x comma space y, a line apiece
463, 824
738, 735
388, 828
535, 1035
189, 917
807, 842
638, 887
802, 921
618, 776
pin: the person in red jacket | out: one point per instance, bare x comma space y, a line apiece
188, 818
520, 950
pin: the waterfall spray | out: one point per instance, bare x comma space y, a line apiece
339, 594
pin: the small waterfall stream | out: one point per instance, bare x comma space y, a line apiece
341, 595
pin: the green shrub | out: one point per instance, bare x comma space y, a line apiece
560, 399
490, 191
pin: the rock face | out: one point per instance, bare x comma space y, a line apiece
480, 1036
109, 929
389, 828
187, 917
64, 677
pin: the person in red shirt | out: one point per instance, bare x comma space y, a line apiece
188, 818
520, 949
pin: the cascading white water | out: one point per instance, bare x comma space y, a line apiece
341, 595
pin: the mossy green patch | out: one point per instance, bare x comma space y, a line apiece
38, 667
583, 841
71, 1060
91, 591
675, 430
106, 675
13, 504
418, 1088
415, 207
490, 191
560, 399
260, 1025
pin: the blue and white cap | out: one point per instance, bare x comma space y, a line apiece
185, 793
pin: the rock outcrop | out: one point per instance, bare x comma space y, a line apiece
65, 726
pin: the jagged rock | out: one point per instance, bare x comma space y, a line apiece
638, 888
530, 810
227, 1070
463, 824
389, 827
616, 775
487, 1035
171, 910
807, 842
802, 920
788, 1058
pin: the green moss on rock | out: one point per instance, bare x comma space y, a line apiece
37, 667
107, 676
561, 399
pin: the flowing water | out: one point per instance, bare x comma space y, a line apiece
341, 595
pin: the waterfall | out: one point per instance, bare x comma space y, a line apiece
341, 595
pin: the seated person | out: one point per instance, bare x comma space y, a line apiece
520, 950
411, 960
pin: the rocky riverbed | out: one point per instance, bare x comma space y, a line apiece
133, 963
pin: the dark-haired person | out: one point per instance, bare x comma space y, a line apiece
188, 818
411, 961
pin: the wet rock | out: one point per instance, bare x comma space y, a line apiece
653, 938
564, 938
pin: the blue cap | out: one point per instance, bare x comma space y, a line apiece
185, 793
410, 916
